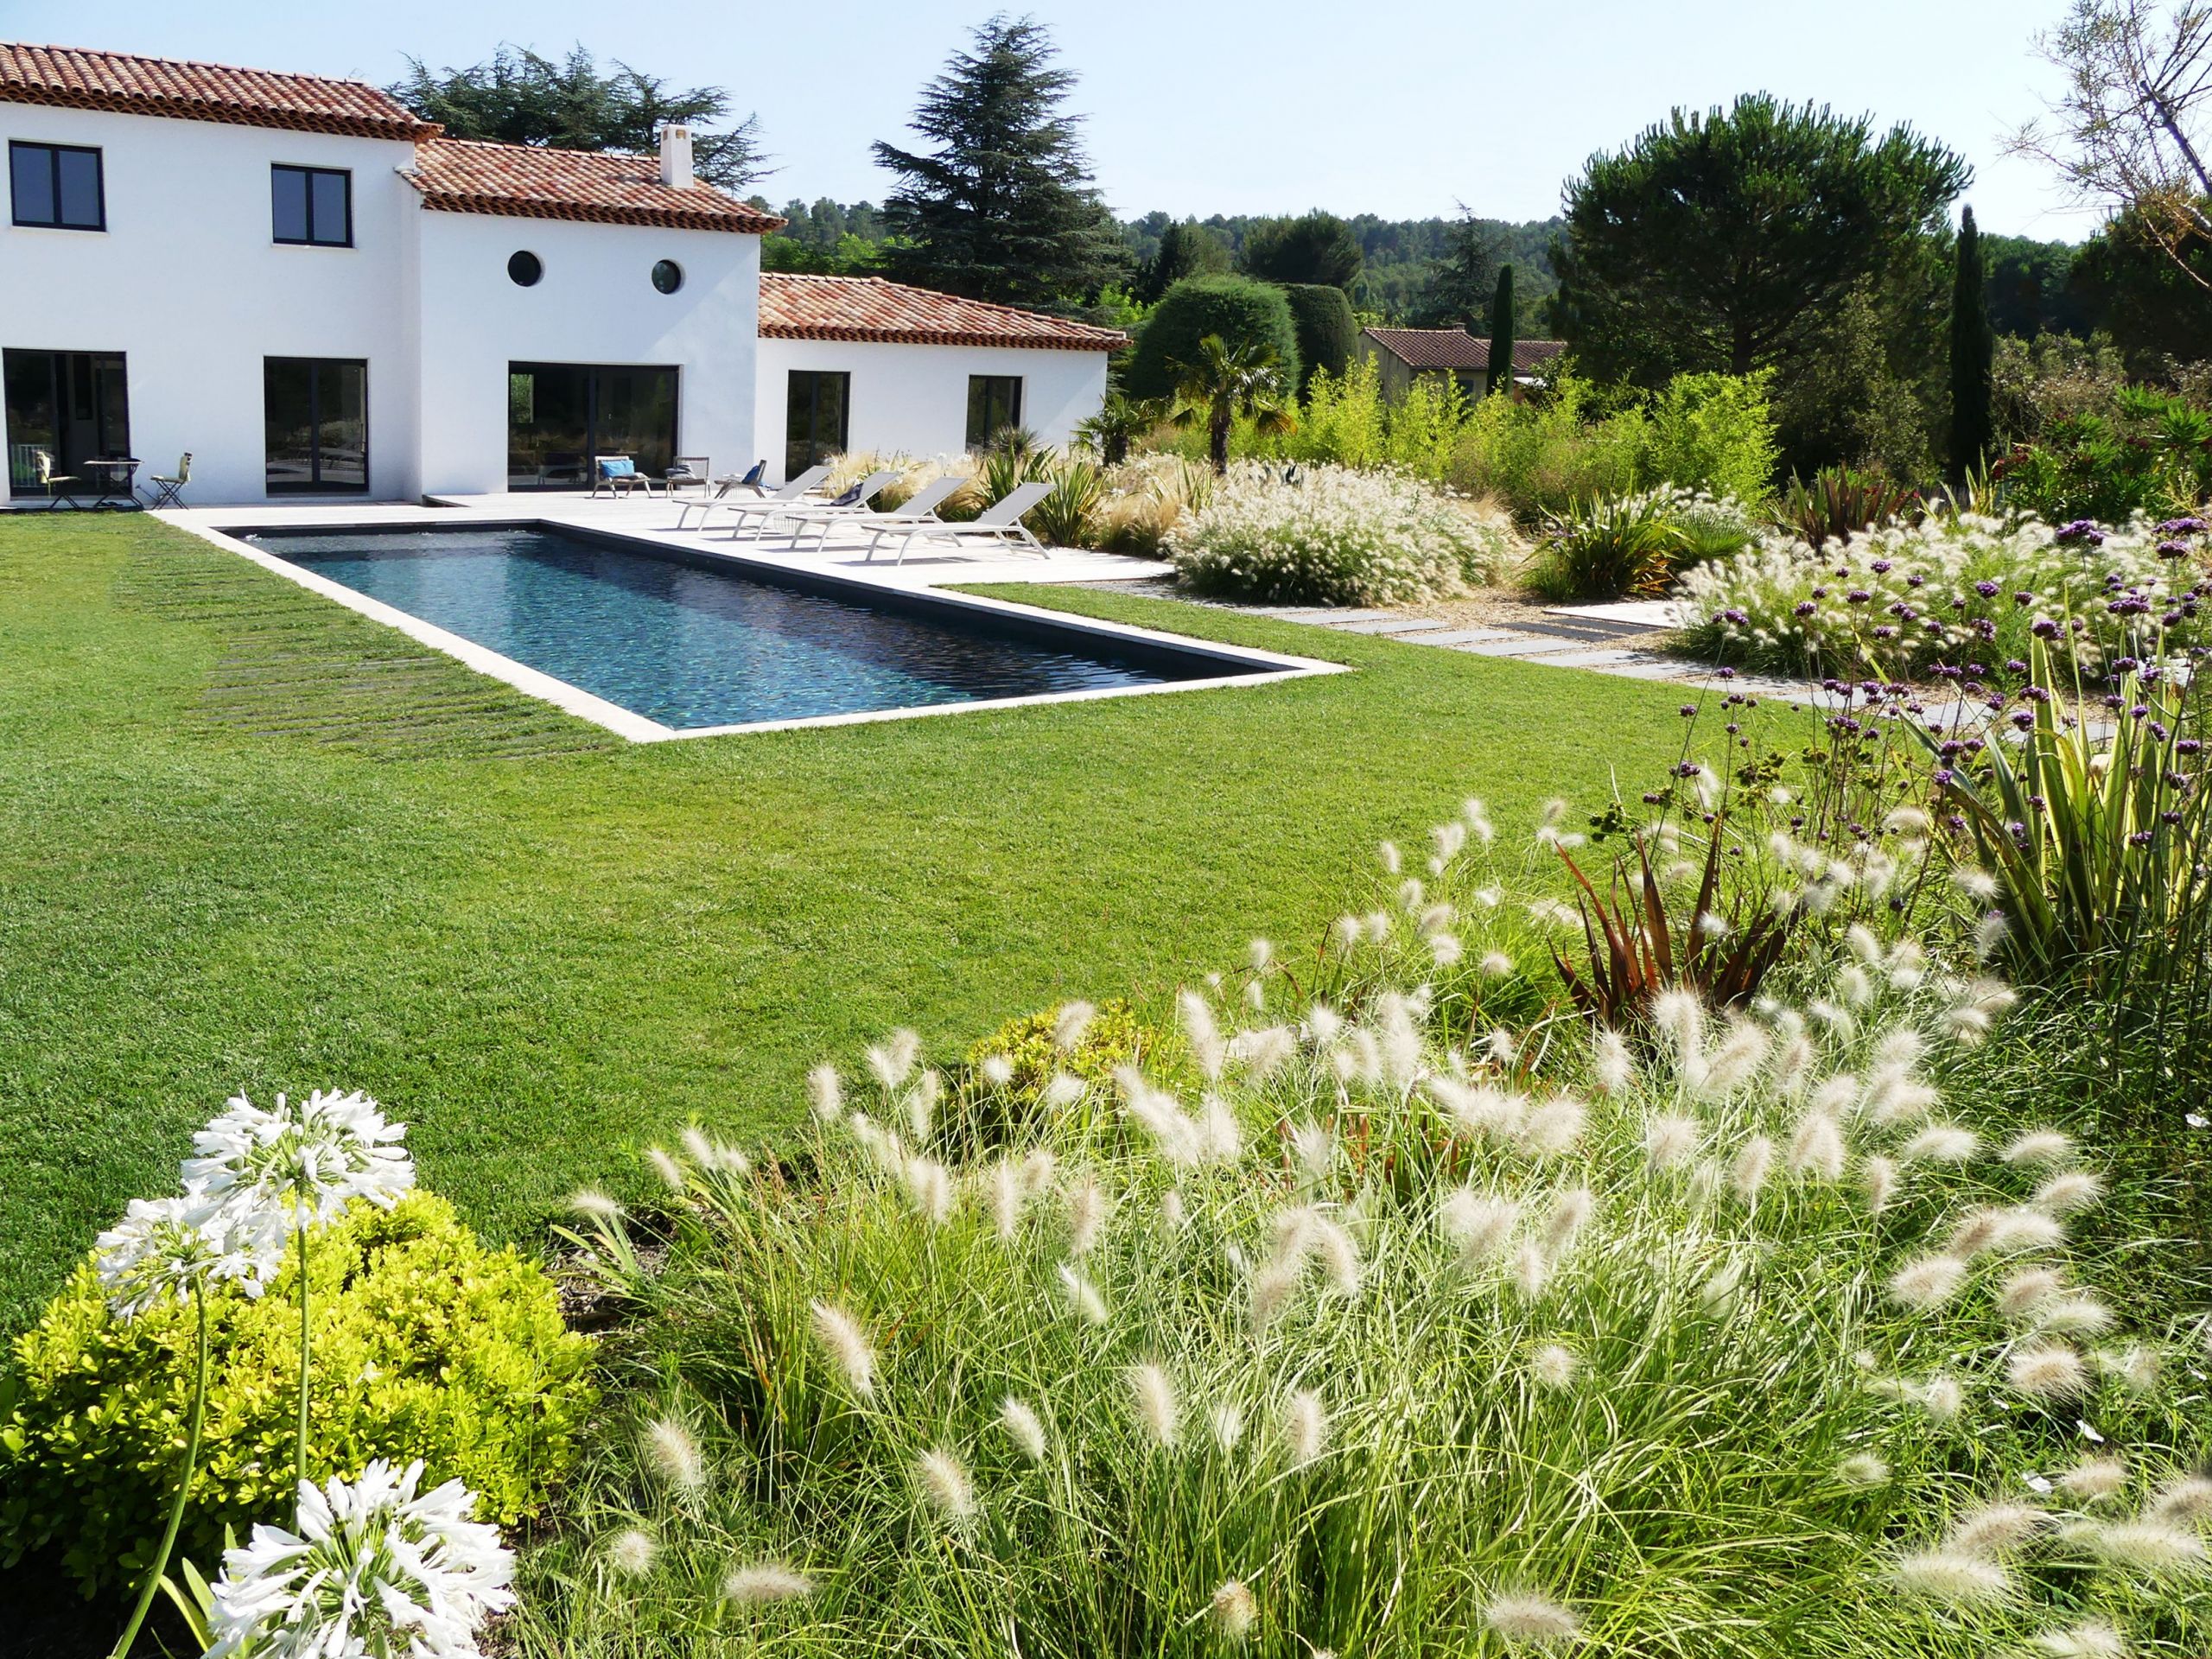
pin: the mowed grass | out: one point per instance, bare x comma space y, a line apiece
249, 840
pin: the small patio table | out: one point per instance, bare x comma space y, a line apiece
115, 474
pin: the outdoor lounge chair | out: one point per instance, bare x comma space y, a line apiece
791, 490
59, 487
919, 508
688, 472
169, 492
852, 504
1001, 523
619, 474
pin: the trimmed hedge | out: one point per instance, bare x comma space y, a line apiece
1326, 329
1236, 308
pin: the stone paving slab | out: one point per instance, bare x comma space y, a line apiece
1644, 615
1526, 645
1465, 636
1587, 659
1331, 617
1399, 625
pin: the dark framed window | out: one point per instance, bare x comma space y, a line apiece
312, 206
667, 275
817, 414
316, 414
57, 187
561, 415
525, 268
994, 403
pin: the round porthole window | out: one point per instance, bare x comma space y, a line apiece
525, 268
667, 275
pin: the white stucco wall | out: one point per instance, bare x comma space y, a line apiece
914, 398
188, 284
595, 303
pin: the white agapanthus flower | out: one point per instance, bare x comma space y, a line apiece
375, 1571
169, 1247
306, 1161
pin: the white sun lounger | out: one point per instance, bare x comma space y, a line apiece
1001, 523
791, 490
919, 508
853, 503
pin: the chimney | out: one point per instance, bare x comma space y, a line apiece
675, 157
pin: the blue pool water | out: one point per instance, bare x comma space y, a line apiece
689, 645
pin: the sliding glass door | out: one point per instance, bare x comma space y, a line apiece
561, 415
316, 416
72, 407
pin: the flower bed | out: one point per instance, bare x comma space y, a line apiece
1900, 602
1335, 536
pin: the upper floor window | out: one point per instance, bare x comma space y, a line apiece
314, 206
57, 187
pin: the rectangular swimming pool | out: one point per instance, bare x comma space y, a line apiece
691, 642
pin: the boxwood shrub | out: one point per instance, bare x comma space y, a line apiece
427, 1345
1238, 309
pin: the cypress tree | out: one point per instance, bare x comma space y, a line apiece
1501, 333
1972, 349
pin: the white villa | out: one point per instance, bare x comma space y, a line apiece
317, 293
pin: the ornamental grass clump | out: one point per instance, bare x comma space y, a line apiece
1906, 602
1377, 1334
1331, 536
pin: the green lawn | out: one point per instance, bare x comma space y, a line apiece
251, 840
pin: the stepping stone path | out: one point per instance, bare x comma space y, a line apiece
1588, 637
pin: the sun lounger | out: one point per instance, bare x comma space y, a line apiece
919, 508
854, 500
792, 489
1000, 523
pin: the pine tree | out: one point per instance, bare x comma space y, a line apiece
1501, 333
1184, 251
1002, 207
1972, 350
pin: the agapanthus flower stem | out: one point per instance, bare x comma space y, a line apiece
300, 1446
159, 1563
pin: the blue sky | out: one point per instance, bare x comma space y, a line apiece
1398, 107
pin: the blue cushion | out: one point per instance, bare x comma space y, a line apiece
850, 498
625, 467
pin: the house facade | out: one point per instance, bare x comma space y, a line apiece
319, 295
1402, 356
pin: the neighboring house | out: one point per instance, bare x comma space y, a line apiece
1402, 355
861, 363
320, 296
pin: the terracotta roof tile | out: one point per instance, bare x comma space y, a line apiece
794, 306
522, 181
76, 77
1455, 348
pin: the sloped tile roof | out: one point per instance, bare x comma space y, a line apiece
1455, 348
459, 175
77, 78
794, 306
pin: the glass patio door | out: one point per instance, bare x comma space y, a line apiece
316, 412
71, 406
561, 415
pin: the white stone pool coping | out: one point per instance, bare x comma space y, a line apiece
213, 524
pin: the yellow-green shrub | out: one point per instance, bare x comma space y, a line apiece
427, 1345
1113, 1037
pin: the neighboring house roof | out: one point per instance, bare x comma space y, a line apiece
795, 306
74, 77
1455, 348
461, 175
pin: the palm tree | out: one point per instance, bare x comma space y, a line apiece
1120, 421
1227, 381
